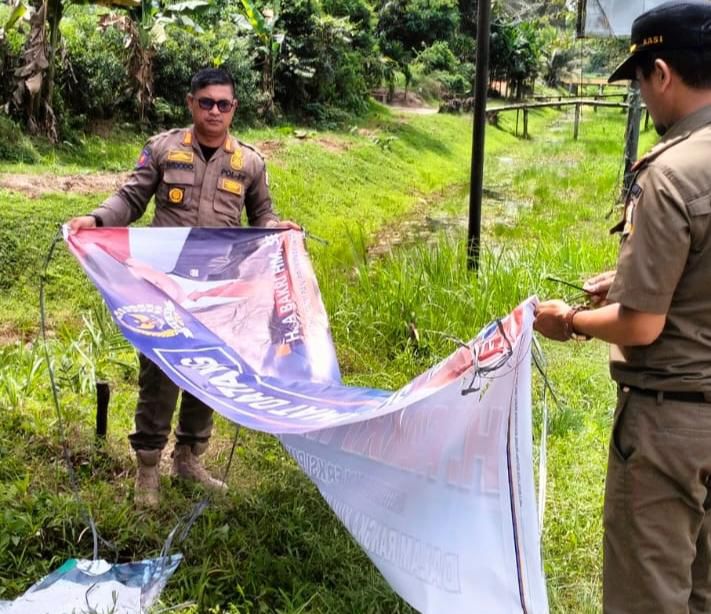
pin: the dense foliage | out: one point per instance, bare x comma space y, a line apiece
69, 65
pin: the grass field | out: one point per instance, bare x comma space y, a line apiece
271, 544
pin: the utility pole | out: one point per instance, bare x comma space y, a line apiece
481, 86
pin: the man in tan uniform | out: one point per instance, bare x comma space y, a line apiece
200, 176
656, 311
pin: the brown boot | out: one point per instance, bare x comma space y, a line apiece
187, 465
146, 494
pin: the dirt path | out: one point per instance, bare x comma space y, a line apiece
36, 186
413, 110
402, 102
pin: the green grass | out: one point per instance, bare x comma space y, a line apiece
272, 544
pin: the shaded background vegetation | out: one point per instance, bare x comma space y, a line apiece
69, 67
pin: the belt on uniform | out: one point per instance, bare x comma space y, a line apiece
687, 396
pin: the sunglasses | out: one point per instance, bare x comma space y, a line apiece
223, 106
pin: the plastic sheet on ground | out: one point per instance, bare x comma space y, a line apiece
98, 587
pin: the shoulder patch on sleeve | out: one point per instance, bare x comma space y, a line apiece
145, 158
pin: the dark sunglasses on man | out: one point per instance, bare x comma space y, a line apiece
223, 106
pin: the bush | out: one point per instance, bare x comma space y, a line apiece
320, 68
438, 73
95, 84
93, 79
437, 56
184, 53
14, 145
10, 52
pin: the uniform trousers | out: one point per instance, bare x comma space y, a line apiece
657, 519
157, 397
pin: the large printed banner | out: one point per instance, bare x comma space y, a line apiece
434, 481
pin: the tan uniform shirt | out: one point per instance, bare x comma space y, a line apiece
664, 266
189, 191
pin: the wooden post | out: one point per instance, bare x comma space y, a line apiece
103, 393
576, 125
525, 122
517, 112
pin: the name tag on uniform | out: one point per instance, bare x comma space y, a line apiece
230, 185
178, 155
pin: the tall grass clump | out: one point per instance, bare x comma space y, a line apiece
410, 305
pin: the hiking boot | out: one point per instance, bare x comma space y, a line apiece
146, 493
187, 465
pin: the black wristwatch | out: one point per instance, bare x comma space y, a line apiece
97, 219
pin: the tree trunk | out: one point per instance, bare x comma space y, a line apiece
268, 84
30, 98
54, 16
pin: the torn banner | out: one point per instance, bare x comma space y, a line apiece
435, 485
96, 586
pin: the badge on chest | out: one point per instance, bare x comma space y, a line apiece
176, 195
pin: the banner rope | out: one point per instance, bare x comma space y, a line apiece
539, 361
185, 523
61, 427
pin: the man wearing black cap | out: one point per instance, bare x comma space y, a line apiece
655, 310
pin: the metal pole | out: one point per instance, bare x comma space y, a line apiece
632, 135
477, 170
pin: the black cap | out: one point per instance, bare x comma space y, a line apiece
672, 25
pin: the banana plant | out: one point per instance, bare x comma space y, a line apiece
34, 78
144, 33
264, 27
19, 10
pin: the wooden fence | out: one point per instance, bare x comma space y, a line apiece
492, 112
